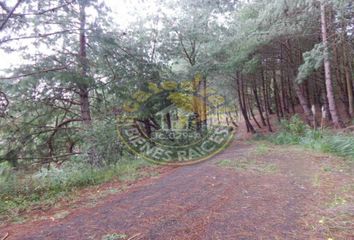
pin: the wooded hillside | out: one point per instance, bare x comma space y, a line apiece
269, 58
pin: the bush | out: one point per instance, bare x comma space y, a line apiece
290, 131
103, 138
68, 176
295, 126
5, 172
296, 132
342, 145
20, 190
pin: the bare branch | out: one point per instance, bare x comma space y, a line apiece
33, 73
39, 35
9, 15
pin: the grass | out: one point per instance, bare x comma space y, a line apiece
114, 236
249, 161
261, 149
337, 221
337, 200
244, 164
20, 192
295, 132
316, 181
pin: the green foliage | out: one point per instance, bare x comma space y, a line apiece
21, 190
252, 65
296, 132
341, 145
295, 126
105, 141
291, 131
261, 149
69, 175
5, 172
313, 59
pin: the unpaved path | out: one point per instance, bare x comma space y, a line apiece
250, 191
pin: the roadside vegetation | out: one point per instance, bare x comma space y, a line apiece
296, 132
21, 191
80, 69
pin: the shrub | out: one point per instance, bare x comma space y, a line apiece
104, 140
342, 145
21, 190
294, 126
296, 132
290, 131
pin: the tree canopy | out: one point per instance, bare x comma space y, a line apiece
79, 67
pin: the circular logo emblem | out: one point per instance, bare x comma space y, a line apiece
174, 122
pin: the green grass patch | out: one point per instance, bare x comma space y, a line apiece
243, 164
114, 236
20, 191
261, 149
295, 132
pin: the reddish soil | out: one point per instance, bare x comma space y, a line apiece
210, 201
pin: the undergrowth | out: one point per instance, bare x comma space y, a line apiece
295, 132
19, 191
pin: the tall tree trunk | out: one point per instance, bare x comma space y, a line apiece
196, 105
268, 93
242, 103
304, 103
327, 67
232, 119
259, 107
205, 106
83, 88
250, 107
276, 96
265, 101
283, 93
338, 73
324, 97
349, 89
289, 81
300, 95
94, 159
346, 62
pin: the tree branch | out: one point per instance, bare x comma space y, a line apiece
9, 14
33, 73
39, 35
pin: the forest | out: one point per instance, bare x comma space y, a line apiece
75, 73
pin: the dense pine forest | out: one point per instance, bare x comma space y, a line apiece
284, 70
270, 58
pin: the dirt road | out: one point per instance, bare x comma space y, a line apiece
250, 191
